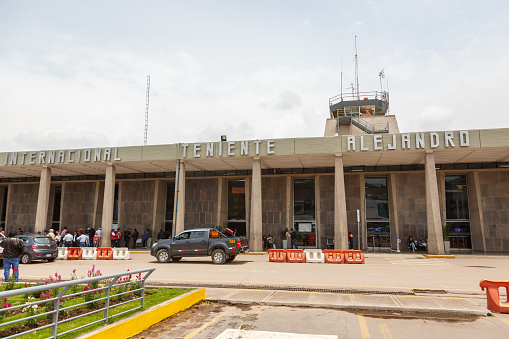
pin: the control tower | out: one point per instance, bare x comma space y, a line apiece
360, 113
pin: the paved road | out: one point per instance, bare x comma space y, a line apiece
424, 283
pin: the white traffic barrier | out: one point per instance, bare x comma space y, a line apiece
121, 253
314, 255
89, 253
62, 253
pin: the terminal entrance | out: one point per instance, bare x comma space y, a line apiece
378, 228
304, 212
457, 226
237, 207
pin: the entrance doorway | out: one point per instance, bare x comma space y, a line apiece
378, 228
237, 206
304, 212
457, 213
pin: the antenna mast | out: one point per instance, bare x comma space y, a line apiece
356, 71
146, 112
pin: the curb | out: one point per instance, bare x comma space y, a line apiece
139, 322
432, 256
371, 308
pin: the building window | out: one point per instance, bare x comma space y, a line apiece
115, 206
57, 204
4, 208
237, 206
377, 212
457, 212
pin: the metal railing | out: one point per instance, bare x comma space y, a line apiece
384, 96
58, 297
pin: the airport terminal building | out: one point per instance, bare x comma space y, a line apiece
363, 176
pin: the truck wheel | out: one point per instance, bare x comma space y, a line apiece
231, 258
218, 256
163, 256
25, 259
176, 258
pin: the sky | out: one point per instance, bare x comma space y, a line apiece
73, 74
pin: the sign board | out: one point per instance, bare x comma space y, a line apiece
305, 227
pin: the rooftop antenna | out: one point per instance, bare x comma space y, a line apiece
381, 75
356, 70
146, 112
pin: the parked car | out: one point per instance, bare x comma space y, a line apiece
220, 246
37, 247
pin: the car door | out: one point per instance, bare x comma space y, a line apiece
180, 246
198, 243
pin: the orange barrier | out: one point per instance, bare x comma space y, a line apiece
74, 253
104, 253
353, 257
333, 256
295, 256
493, 295
277, 255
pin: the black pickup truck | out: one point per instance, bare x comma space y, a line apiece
221, 246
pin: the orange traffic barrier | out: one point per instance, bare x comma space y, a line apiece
104, 253
333, 256
277, 255
493, 295
295, 256
74, 253
353, 257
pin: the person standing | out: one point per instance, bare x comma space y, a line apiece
113, 238
98, 233
67, 239
83, 238
13, 249
145, 238
350, 241
293, 237
119, 238
127, 237
136, 234
52, 234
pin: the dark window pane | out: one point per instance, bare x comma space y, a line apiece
236, 200
377, 197
456, 197
304, 199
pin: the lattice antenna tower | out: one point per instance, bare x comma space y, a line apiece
146, 111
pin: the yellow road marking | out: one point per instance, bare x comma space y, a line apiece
385, 330
363, 326
504, 320
204, 326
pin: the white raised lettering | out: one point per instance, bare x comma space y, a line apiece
86, 156
210, 149
23, 157
97, 154
243, 148
434, 140
257, 146
405, 140
448, 139
350, 141
362, 144
107, 154
393, 145
14, 158
42, 156
61, 155
464, 139
377, 140
31, 158
6, 158
51, 157
184, 150
115, 157
231, 147
196, 149
70, 154
419, 140
270, 144
220, 149
78, 158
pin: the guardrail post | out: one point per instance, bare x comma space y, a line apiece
107, 301
56, 309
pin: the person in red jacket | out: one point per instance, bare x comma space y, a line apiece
113, 238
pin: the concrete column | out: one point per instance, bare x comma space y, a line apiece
108, 205
43, 199
393, 214
340, 221
248, 206
180, 199
318, 211
255, 232
289, 203
222, 202
434, 221
476, 212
